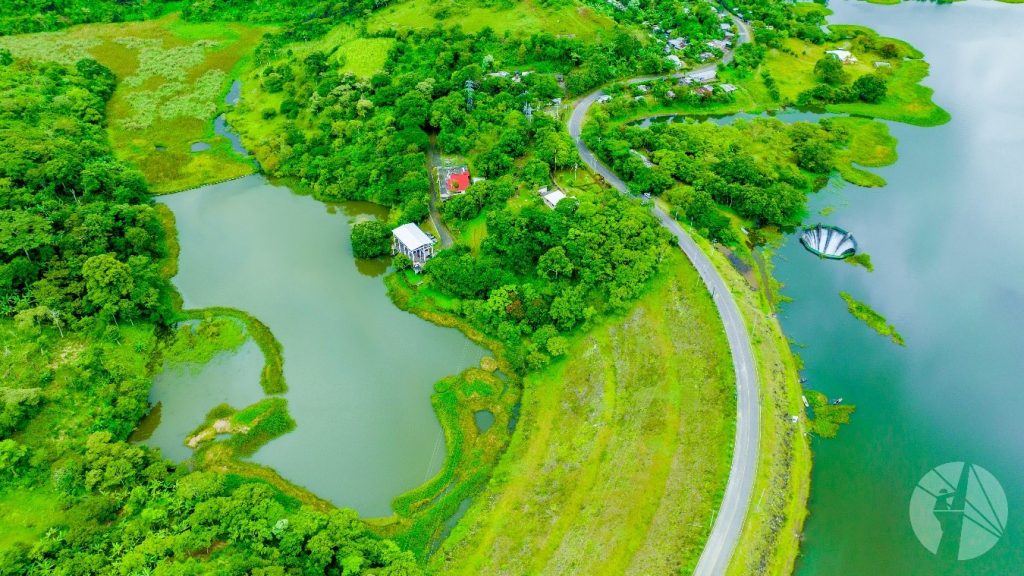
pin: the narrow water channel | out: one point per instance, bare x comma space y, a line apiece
360, 371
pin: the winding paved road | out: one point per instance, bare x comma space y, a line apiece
433, 163
718, 550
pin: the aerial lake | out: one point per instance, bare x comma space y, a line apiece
359, 370
947, 243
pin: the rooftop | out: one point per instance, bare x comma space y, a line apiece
411, 236
553, 198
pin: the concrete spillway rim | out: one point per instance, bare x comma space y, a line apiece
842, 255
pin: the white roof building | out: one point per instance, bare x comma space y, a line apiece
411, 236
727, 88
844, 56
700, 76
553, 198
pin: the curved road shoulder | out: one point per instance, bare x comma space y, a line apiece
728, 525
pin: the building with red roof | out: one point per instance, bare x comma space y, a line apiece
454, 180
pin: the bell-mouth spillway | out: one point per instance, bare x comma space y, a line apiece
829, 242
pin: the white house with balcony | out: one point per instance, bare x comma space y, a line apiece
408, 239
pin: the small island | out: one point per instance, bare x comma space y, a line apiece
876, 321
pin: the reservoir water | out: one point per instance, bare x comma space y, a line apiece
947, 243
359, 370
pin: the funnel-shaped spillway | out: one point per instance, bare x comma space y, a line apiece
829, 242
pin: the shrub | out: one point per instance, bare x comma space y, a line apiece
370, 239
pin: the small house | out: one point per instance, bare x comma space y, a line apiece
408, 239
705, 56
677, 43
643, 88
670, 95
728, 88
604, 99
703, 91
719, 44
676, 61
883, 64
700, 77
453, 180
726, 26
844, 56
552, 198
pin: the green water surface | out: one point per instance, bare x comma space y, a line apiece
359, 370
947, 241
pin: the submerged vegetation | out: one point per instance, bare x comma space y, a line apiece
874, 320
172, 77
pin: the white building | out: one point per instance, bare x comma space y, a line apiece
552, 198
414, 243
844, 56
728, 88
700, 77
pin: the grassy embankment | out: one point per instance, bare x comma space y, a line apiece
770, 540
172, 78
874, 320
622, 451
871, 145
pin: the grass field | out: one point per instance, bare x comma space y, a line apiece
172, 77
622, 450
871, 145
770, 541
525, 17
27, 515
474, 232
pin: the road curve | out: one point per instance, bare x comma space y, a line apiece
728, 524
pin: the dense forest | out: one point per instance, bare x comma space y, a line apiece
353, 138
85, 307
760, 169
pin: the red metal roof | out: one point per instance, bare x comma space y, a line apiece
458, 182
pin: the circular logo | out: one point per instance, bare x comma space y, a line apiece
958, 511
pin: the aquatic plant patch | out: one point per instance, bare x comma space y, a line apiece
171, 80
874, 320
